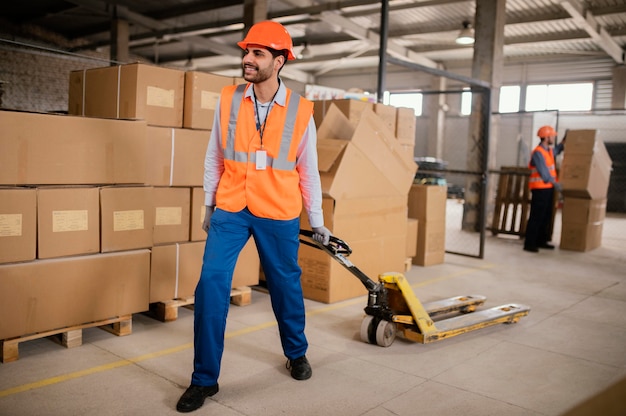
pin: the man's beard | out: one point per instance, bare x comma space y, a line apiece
260, 75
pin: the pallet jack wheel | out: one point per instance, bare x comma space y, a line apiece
368, 333
385, 333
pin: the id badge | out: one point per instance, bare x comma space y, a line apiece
261, 159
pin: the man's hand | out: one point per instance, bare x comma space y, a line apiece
558, 187
321, 235
207, 218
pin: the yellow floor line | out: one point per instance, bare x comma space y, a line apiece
231, 334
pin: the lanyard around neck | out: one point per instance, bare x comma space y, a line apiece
261, 127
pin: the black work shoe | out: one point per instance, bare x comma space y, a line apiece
300, 368
531, 249
193, 398
546, 245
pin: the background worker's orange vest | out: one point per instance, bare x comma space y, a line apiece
535, 181
273, 192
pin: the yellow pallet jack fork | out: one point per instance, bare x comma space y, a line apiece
392, 307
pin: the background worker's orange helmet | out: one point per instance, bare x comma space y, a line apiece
270, 34
546, 131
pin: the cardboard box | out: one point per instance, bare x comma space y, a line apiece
387, 114
176, 156
127, 218
428, 203
68, 221
586, 167
365, 182
176, 269
352, 109
46, 149
43, 295
431, 243
172, 209
583, 211
198, 210
412, 226
18, 224
581, 237
202, 92
132, 91
405, 126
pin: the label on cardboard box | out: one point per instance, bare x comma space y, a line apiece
70, 220
10, 225
168, 216
128, 220
159, 97
208, 100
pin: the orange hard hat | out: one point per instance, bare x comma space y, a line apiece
546, 131
269, 34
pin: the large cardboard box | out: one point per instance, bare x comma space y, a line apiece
405, 126
427, 203
131, 91
412, 225
68, 221
198, 210
126, 218
581, 237
583, 211
172, 209
46, 149
365, 181
388, 115
176, 269
352, 109
43, 295
176, 156
202, 92
18, 224
586, 167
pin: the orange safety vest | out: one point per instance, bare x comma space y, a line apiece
535, 181
273, 192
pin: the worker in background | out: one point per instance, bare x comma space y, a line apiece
260, 169
542, 183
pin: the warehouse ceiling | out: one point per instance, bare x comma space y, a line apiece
339, 36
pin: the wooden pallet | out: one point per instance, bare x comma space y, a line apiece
168, 310
69, 337
512, 202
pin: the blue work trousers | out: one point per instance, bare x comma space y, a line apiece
277, 243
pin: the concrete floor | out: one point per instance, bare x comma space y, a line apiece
571, 346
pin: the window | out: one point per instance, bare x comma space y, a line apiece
466, 102
407, 99
563, 97
509, 99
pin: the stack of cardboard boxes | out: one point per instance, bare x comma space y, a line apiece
584, 177
366, 176
427, 204
101, 211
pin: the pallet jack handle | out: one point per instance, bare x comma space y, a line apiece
340, 250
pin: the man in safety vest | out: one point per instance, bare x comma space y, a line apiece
260, 169
542, 183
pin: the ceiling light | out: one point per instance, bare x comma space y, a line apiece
305, 52
466, 35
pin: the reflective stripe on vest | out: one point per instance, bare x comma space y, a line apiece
280, 163
535, 181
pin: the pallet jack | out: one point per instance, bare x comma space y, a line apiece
392, 307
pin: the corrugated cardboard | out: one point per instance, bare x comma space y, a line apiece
586, 167
198, 210
172, 210
405, 126
412, 226
365, 181
46, 149
581, 237
176, 156
43, 295
387, 114
431, 243
202, 92
176, 269
132, 91
127, 218
583, 211
18, 224
68, 221
428, 203
352, 109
